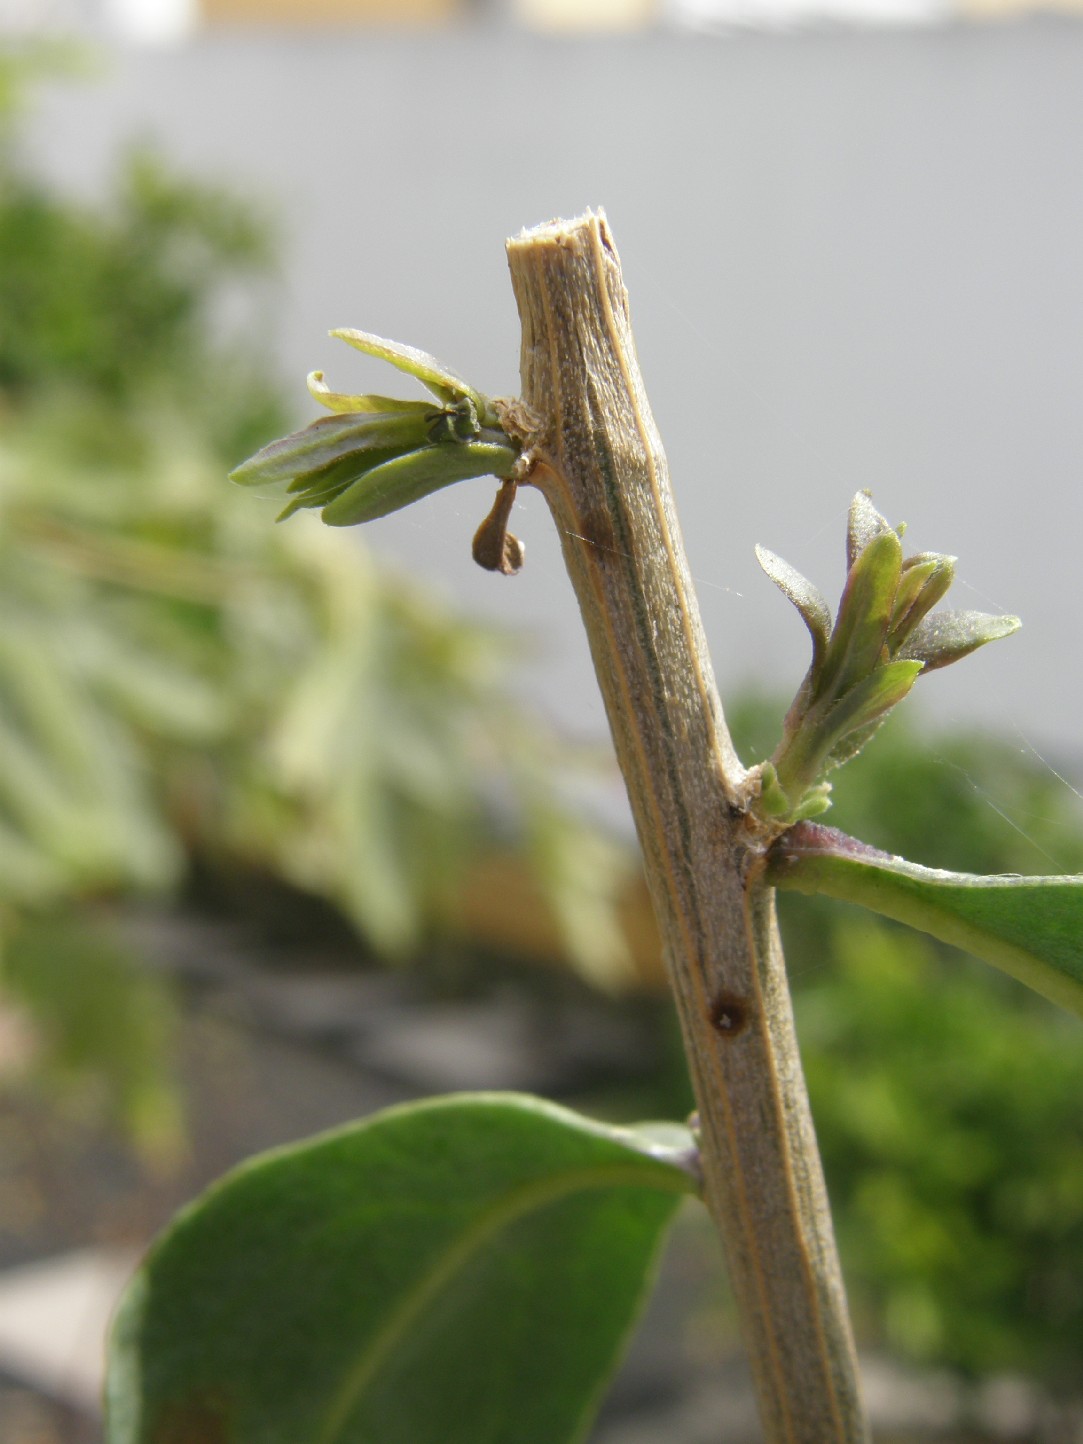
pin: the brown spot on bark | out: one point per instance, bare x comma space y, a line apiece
596, 529
729, 1015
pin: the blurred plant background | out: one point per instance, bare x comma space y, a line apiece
200, 710
946, 1097
190, 694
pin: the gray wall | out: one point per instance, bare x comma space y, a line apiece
855, 259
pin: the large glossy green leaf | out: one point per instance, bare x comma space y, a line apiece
1031, 927
459, 1271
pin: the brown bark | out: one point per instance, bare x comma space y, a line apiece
594, 452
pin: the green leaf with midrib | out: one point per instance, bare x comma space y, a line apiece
1030, 927
458, 1270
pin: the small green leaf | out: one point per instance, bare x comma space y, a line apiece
808, 599
947, 636
405, 479
864, 615
923, 582
459, 1271
339, 401
774, 802
440, 380
882, 637
323, 489
1030, 927
817, 800
870, 700
831, 734
304, 454
339, 474
863, 524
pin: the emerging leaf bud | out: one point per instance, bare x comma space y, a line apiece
375, 455
882, 639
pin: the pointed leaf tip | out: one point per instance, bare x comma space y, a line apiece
440, 379
807, 598
923, 582
946, 637
864, 615
342, 402
406, 479
863, 524
305, 458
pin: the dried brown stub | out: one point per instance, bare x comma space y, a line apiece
495, 548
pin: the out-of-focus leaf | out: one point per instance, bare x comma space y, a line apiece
67, 783
153, 690
1030, 927
582, 872
462, 1271
30, 875
101, 1017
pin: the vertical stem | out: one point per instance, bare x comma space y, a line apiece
598, 460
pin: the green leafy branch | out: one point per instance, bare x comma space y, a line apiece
374, 456
884, 637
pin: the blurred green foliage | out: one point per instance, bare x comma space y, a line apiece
180, 679
104, 1021
118, 305
950, 1123
947, 1098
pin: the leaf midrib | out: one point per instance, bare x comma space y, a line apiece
535, 1195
